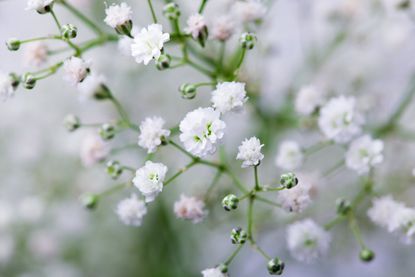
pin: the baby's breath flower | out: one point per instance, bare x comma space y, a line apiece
190, 208
250, 152
151, 133
41, 6
295, 199
229, 96
76, 70
149, 179
250, 10
213, 272
119, 17
131, 210
290, 155
308, 99
201, 130
222, 28
93, 149
195, 25
364, 153
36, 54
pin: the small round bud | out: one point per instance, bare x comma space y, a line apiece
69, 31
275, 266
188, 91
15, 80
171, 11
230, 202
343, 206
102, 92
366, 255
163, 62
71, 122
29, 81
114, 169
125, 28
248, 40
89, 201
13, 44
238, 236
289, 180
223, 268
107, 131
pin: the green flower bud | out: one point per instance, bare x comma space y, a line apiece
238, 236
171, 11
248, 40
15, 80
343, 206
163, 62
275, 266
71, 122
90, 201
107, 131
13, 44
289, 180
29, 81
69, 31
188, 91
223, 268
230, 202
366, 255
125, 28
102, 92
114, 169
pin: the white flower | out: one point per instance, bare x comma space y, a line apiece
295, 199
190, 208
222, 28
363, 153
6, 87
201, 130
148, 43
250, 152
308, 99
76, 70
229, 96
93, 149
149, 179
36, 54
213, 272
90, 86
290, 155
39, 5
131, 210
195, 25
307, 241
339, 119
117, 15
249, 10
151, 132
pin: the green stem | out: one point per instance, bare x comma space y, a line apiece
114, 189
250, 217
123, 114
181, 149
269, 202
202, 6
257, 186
82, 17
180, 172
356, 230
153, 14
212, 185
234, 254
236, 181
260, 251
56, 20
240, 61
334, 168
52, 37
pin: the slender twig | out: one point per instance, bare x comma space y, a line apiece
153, 14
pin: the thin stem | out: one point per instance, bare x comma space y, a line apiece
236, 181
180, 172
202, 6
82, 17
316, 147
234, 254
123, 113
266, 201
260, 251
257, 187
333, 169
250, 218
114, 189
181, 149
240, 61
213, 184
329, 225
199, 68
52, 37
56, 20
153, 14
356, 230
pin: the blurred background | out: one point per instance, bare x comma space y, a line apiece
363, 48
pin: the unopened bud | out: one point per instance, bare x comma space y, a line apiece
102, 92
71, 122
275, 266
230, 202
107, 131
343, 206
125, 28
248, 40
238, 236
114, 169
13, 44
163, 62
289, 180
223, 268
188, 91
69, 31
171, 11
29, 81
366, 255
89, 201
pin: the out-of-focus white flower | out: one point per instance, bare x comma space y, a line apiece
249, 10
195, 25
76, 70
93, 149
364, 153
201, 130
250, 152
41, 6
190, 208
30, 209
6, 87
308, 99
131, 210
290, 155
90, 86
222, 28
7, 248
36, 54
229, 96
295, 199
307, 241
118, 15
148, 43
151, 133
149, 179
213, 272
339, 119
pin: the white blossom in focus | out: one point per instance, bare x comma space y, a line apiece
149, 179
250, 152
93, 149
6, 87
201, 130
117, 15
190, 208
151, 133
308, 99
222, 28
229, 96
307, 241
148, 43
213, 272
38, 5
75, 70
295, 199
131, 210
364, 153
195, 25
249, 10
36, 54
339, 120
290, 156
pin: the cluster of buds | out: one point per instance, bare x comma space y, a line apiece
275, 266
230, 202
289, 180
238, 236
107, 131
247, 40
114, 169
69, 31
171, 11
